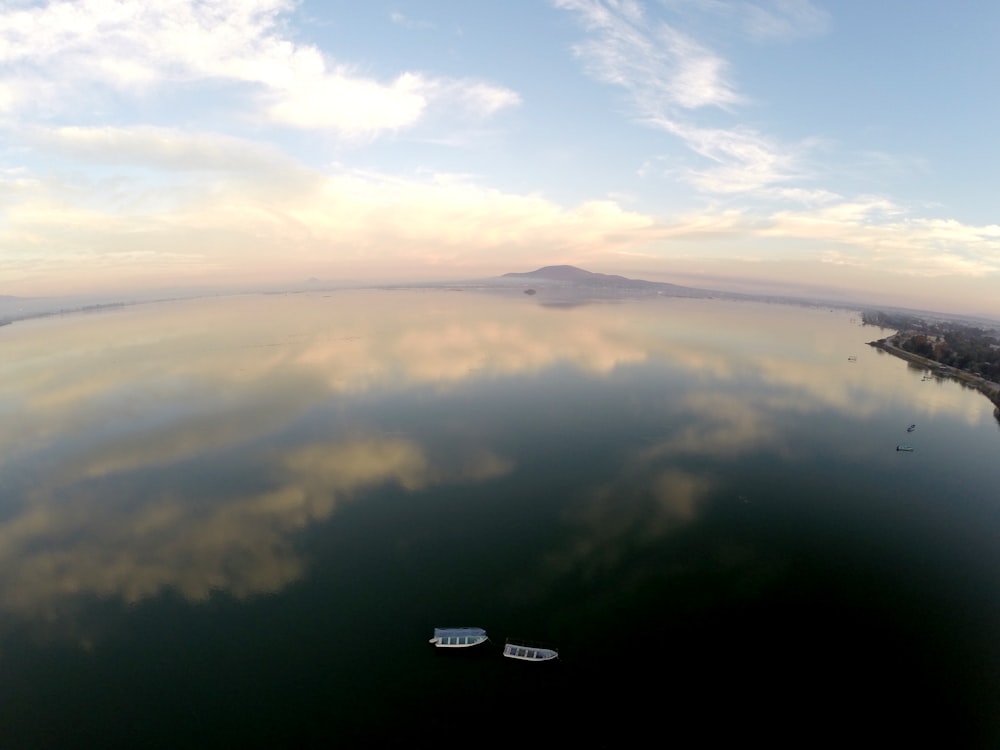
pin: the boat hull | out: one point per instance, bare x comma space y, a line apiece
525, 652
458, 637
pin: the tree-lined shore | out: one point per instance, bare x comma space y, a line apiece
966, 353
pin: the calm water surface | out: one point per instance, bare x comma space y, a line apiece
236, 522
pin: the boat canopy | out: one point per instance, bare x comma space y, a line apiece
451, 632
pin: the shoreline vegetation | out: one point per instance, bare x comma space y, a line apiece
946, 349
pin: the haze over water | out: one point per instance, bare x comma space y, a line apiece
236, 522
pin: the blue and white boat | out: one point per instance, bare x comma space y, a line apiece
458, 637
528, 652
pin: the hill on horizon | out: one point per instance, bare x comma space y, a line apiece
567, 275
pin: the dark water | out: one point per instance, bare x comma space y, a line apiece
236, 522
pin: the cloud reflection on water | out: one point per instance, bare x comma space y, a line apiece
93, 401
115, 546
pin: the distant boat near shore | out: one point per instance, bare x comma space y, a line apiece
905, 448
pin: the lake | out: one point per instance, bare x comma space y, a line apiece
236, 521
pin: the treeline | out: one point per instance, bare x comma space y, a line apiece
964, 347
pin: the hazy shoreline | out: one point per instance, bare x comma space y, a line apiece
558, 285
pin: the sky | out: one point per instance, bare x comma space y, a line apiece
845, 150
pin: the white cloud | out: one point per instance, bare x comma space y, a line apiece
407, 22
870, 234
160, 147
698, 80
243, 545
477, 98
809, 197
785, 19
761, 20
135, 46
668, 75
877, 234
745, 160
182, 207
352, 106
220, 205
660, 66
358, 107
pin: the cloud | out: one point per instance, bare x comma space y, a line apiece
261, 211
726, 425
135, 47
407, 22
264, 212
229, 384
784, 19
127, 44
660, 66
52, 553
161, 148
746, 160
358, 107
877, 234
181, 207
353, 106
668, 76
180, 393
761, 20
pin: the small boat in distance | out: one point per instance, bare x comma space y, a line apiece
911, 428
903, 447
528, 652
458, 637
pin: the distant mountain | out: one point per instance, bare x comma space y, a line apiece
571, 276
567, 273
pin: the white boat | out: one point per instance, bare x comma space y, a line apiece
458, 637
528, 652
905, 448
